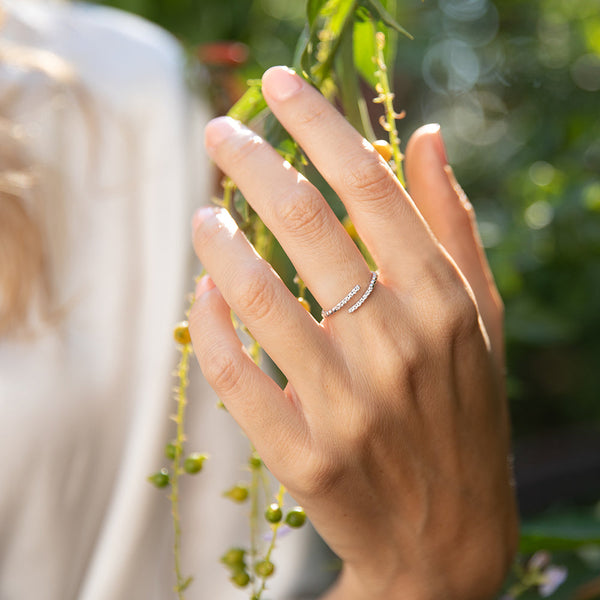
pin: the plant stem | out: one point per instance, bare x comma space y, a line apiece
274, 528
386, 97
181, 397
254, 507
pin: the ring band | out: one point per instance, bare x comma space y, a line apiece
367, 293
350, 295
342, 302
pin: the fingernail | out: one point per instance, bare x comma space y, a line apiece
460, 194
218, 130
201, 215
281, 83
204, 284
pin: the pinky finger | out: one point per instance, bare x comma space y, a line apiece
253, 399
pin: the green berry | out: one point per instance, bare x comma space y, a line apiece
255, 462
240, 578
296, 517
238, 493
170, 451
234, 558
273, 513
264, 568
193, 463
181, 333
160, 479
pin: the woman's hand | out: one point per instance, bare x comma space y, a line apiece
393, 430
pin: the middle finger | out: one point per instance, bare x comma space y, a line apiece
383, 213
325, 256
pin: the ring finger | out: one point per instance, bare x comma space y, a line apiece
256, 294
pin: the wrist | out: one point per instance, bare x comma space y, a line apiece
353, 585
466, 577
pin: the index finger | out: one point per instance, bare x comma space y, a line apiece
383, 213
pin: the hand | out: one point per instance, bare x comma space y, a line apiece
393, 430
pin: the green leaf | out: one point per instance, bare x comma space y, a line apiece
380, 12
348, 86
557, 533
391, 38
301, 49
367, 24
250, 105
365, 50
313, 7
324, 37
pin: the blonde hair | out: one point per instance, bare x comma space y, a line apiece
28, 192
23, 274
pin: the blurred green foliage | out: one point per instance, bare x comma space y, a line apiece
516, 88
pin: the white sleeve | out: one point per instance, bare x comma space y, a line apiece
85, 405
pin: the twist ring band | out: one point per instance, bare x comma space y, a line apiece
350, 295
367, 293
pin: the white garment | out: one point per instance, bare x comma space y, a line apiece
84, 406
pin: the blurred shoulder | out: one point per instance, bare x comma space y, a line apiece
134, 33
105, 44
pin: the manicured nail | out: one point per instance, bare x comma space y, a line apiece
203, 213
218, 130
281, 83
204, 284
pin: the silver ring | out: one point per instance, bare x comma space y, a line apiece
367, 293
342, 302
350, 295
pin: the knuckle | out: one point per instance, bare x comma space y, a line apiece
459, 315
362, 429
404, 360
369, 178
303, 212
413, 356
451, 310
399, 352
318, 475
222, 370
255, 294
